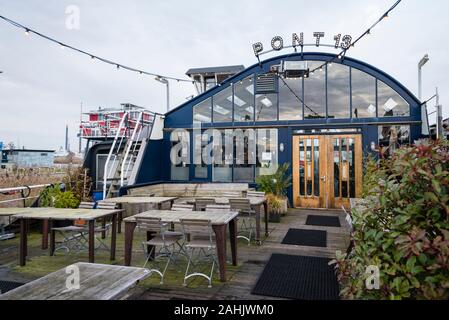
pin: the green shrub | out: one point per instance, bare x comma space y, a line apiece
404, 229
277, 183
66, 200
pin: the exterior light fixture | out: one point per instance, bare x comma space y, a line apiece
281, 147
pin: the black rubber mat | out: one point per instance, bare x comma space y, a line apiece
6, 286
302, 237
298, 277
323, 221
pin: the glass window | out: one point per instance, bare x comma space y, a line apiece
266, 107
290, 99
180, 154
338, 91
363, 94
315, 92
202, 112
391, 104
267, 151
244, 100
223, 105
392, 137
244, 155
199, 144
223, 156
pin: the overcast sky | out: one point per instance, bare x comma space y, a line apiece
42, 86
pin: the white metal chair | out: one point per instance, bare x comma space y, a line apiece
218, 207
247, 215
255, 194
199, 235
105, 228
201, 203
162, 238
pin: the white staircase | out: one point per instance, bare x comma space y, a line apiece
126, 153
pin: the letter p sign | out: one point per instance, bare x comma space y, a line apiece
373, 280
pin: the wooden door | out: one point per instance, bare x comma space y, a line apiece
327, 170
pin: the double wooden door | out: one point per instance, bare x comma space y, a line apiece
327, 170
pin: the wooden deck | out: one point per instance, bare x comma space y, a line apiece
252, 260
241, 279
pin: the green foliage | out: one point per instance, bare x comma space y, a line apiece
54, 197
403, 229
277, 183
66, 200
78, 181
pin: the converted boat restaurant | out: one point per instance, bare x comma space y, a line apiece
323, 122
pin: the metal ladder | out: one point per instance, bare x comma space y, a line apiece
125, 150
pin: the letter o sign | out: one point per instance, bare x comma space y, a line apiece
277, 43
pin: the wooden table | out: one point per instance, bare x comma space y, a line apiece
6, 218
96, 282
256, 204
134, 205
48, 215
219, 221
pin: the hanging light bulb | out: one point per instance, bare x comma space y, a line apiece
118, 66
92, 57
27, 32
61, 46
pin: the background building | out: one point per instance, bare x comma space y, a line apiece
23, 158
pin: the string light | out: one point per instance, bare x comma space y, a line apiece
62, 45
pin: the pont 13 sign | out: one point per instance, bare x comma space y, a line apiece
297, 40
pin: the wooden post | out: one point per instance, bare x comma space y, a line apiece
120, 219
220, 238
233, 239
129, 234
23, 243
91, 241
45, 234
113, 236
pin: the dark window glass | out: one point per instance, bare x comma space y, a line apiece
266, 107
363, 94
244, 100
290, 99
223, 105
391, 104
315, 92
338, 91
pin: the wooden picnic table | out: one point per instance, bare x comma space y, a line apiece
219, 221
134, 205
48, 215
256, 204
96, 282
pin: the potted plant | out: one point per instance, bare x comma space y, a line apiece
276, 186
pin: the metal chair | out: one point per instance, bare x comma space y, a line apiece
182, 207
255, 194
247, 215
105, 228
201, 203
162, 238
74, 236
198, 234
218, 207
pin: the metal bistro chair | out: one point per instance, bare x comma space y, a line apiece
218, 207
198, 234
247, 215
162, 238
74, 236
201, 203
182, 207
105, 228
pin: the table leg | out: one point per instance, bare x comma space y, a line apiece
220, 238
120, 219
150, 235
129, 234
113, 236
257, 210
52, 239
103, 226
45, 234
23, 243
91, 241
233, 239
265, 208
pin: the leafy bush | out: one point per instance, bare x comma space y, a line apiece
78, 181
54, 197
277, 183
403, 229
